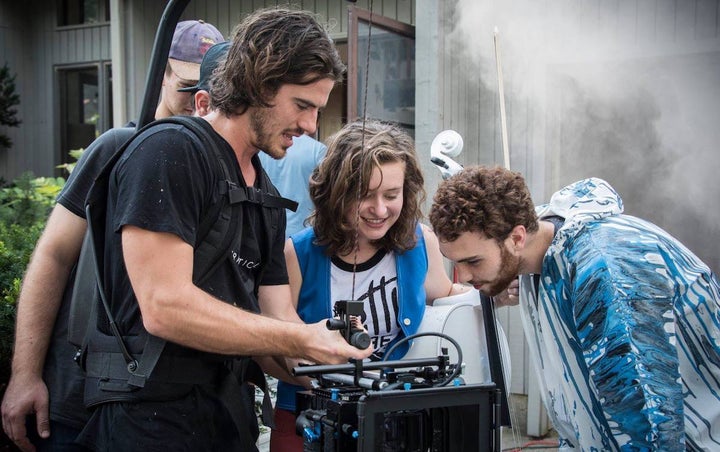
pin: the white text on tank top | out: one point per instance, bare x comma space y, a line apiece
377, 288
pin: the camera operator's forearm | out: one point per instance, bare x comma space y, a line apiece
160, 269
42, 290
190, 317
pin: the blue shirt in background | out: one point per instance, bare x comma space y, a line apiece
291, 176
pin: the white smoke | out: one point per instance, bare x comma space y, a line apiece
632, 88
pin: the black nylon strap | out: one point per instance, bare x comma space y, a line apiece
257, 196
151, 353
175, 369
231, 396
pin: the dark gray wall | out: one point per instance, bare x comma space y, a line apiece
35, 48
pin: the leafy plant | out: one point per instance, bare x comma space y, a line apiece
16, 246
24, 207
29, 199
69, 167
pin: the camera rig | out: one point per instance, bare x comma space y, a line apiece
409, 405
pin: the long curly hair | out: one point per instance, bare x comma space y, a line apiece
270, 48
480, 199
334, 184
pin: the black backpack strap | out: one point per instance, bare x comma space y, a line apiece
94, 255
139, 370
257, 196
93, 250
84, 296
208, 253
83, 302
255, 375
154, 347
216, 234
271, 214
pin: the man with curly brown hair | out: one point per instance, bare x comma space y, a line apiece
624, 322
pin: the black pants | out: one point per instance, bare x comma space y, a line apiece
196, 422
62, 437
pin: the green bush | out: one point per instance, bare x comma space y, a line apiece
28, 200
24, 207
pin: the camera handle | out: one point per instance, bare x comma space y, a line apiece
347, 309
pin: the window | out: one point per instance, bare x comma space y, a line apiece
81, 12
85, 106
391, 76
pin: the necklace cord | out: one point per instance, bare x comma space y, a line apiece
363, 154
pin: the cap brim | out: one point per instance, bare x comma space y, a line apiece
184, 69
190, 89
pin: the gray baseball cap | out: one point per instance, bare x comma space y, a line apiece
191, 40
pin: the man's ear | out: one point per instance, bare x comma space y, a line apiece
202, 102
518, 237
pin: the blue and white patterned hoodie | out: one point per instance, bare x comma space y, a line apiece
625, 331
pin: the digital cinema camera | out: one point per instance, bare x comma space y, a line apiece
404, 405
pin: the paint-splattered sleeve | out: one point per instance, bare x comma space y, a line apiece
622, 306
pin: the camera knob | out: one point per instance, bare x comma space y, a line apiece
360, 340
335, 324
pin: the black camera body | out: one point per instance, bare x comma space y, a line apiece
409, 405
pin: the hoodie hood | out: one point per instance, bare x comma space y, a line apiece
586, 199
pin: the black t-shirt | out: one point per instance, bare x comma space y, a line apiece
88, 167
62, 375
165, 183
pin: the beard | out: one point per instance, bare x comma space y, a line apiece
509, 269
263, 139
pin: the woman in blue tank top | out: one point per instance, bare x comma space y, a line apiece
365, 243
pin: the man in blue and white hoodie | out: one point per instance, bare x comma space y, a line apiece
622, 320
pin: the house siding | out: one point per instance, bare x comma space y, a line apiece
36, 48
21, 47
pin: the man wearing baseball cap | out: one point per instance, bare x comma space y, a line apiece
201, 90
191, 40
42, 408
